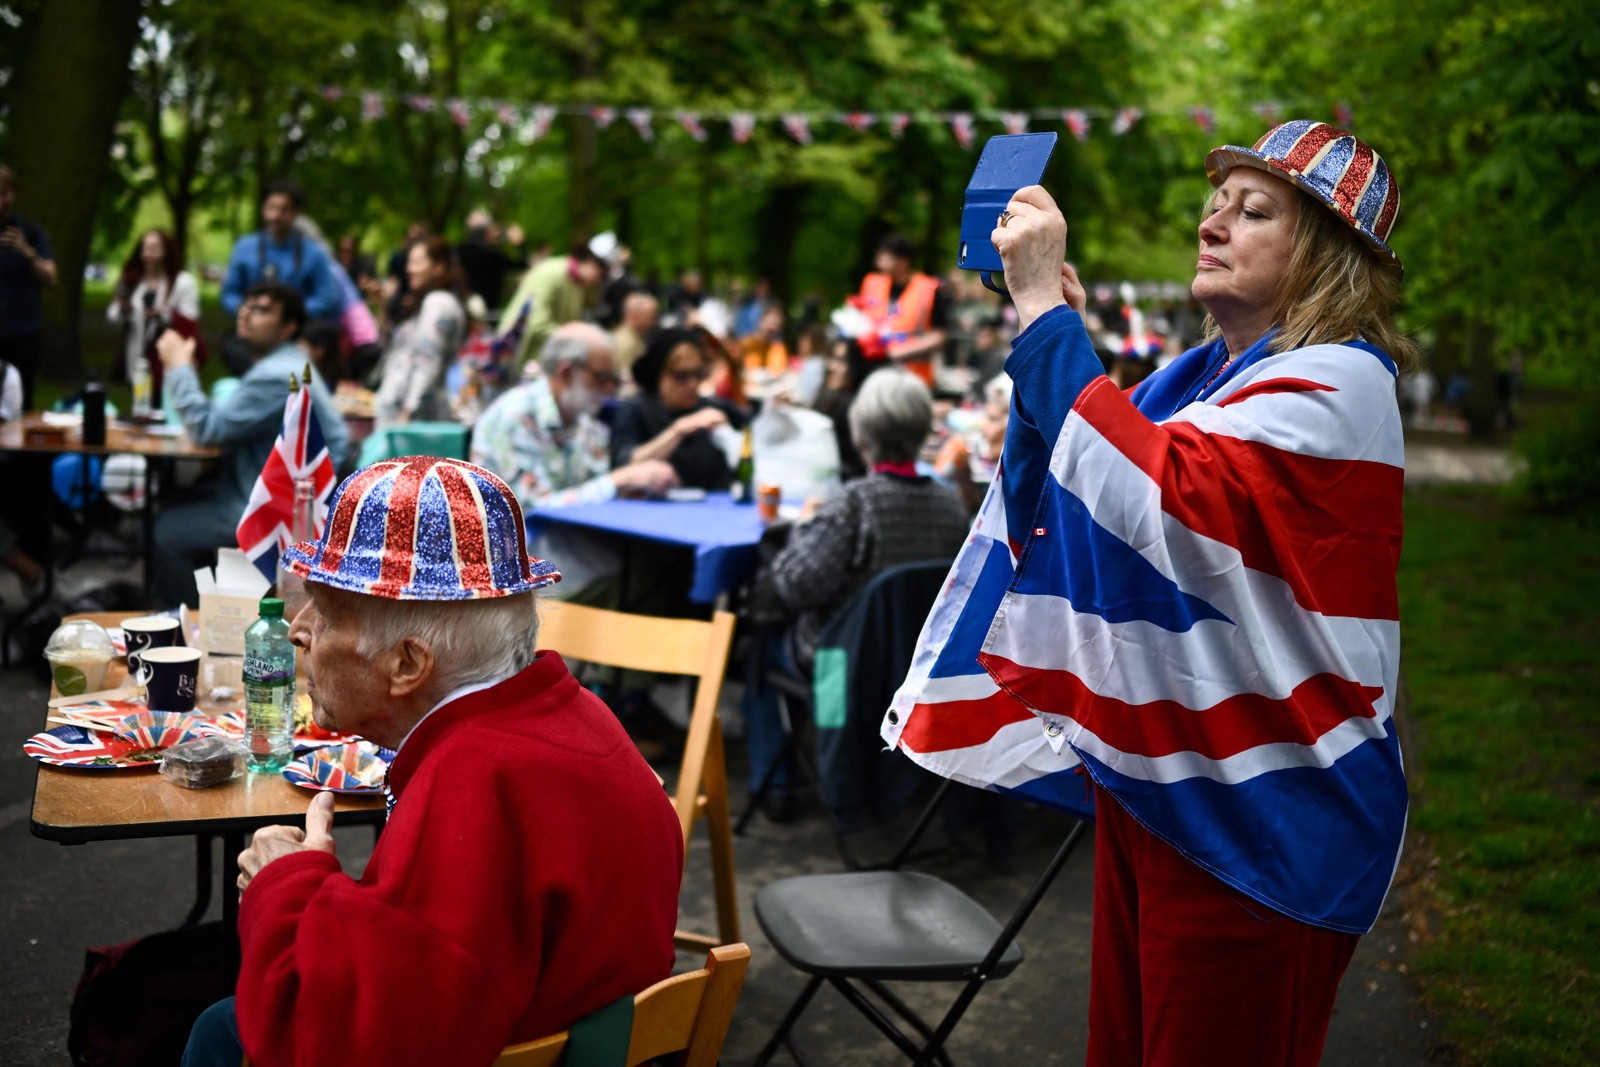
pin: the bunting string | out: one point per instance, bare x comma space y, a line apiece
532, 121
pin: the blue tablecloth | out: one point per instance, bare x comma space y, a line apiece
723, 534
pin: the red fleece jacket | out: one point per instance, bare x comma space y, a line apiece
527, 876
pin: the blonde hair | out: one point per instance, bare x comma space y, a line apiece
1335, 289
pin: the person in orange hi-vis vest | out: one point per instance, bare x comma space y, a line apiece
907, 308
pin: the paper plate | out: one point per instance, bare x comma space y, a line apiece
357, 767
158, 729
76, 747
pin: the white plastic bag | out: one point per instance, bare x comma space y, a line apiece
795, 449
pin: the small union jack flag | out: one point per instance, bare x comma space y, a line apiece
267, 526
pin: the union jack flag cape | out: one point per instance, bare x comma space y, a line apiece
1187, 592
267, 526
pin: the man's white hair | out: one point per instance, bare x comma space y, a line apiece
473, 641
570, 343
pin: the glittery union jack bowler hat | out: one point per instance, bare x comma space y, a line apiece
1332, 165
423, 528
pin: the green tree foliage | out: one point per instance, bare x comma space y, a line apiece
1488, 113
227, 97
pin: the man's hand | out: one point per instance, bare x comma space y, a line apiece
649, 477
271, 842
175, 350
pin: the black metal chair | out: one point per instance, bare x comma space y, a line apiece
859, 929
890, 608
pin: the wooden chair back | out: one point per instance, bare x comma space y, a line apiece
687, 1013
691, 647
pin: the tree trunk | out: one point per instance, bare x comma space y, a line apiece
779, 226
583, 140
1481, 407
68, 79
702, 222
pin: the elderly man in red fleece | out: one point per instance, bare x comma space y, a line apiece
528, 872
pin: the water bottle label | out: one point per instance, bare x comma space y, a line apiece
258, 668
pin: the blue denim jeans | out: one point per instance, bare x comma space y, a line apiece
763, 726
214, 1041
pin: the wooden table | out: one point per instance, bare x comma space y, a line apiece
158, 449
75, 806
131, 438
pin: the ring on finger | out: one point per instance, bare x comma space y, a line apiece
1005, 217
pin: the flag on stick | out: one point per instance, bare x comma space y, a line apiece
267, 526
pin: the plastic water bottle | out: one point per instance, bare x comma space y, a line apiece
269, 689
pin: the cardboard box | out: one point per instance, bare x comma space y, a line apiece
230, 600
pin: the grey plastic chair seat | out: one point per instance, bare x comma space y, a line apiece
881, 925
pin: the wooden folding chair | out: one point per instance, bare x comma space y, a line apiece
670, 646
687, 1012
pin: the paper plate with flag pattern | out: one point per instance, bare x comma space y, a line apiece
423, 528
358, 767
81, 748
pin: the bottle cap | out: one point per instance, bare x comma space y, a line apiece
271, 607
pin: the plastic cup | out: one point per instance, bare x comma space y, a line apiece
79, 653
79, 672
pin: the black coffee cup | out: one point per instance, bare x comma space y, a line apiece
149, 631
171, 676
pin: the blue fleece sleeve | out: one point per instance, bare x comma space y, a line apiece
1051, 363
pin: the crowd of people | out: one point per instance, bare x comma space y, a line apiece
1184, 589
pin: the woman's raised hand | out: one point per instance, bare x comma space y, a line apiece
1033, 246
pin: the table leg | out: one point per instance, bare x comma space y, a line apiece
232, 845
202, 880
147, 527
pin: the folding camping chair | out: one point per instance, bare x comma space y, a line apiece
851, 688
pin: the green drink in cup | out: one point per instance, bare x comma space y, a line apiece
80, 653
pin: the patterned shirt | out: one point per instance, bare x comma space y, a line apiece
413, 385
522, 438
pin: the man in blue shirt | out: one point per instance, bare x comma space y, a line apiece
26, 266
279, 253
245, 426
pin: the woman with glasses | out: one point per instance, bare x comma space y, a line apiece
669, 419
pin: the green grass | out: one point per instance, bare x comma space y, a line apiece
1502, 663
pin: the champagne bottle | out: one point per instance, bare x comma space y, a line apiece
744, 475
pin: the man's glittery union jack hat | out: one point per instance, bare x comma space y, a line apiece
423, 528
1334, 166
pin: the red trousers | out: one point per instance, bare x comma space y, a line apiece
1187, 970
